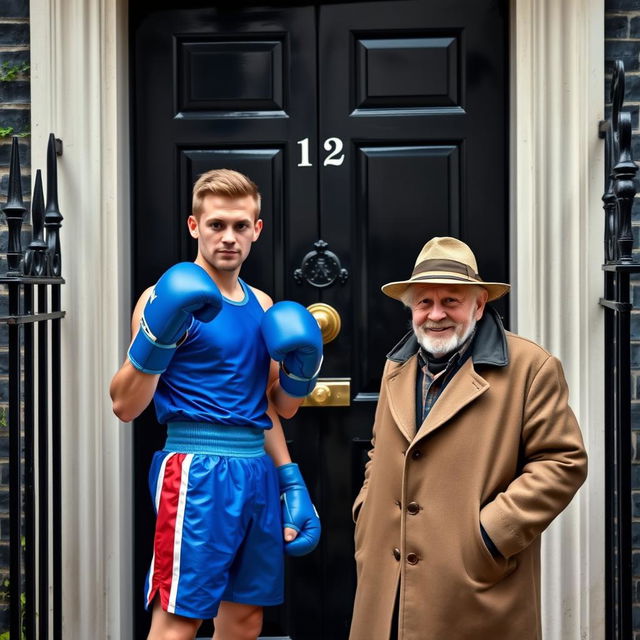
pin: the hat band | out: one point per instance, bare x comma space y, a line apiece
441, 277
436, 264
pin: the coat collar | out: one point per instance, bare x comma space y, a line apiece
489, 348
489, 345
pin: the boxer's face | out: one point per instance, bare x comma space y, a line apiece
225, 229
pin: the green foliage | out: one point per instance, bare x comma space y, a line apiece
7, 132
4, 598
4, 593
10, 72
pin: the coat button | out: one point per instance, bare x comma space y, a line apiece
412, 558
416, 453
413, 508
396, 554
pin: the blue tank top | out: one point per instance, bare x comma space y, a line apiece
219, 374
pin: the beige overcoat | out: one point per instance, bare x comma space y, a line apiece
500, 447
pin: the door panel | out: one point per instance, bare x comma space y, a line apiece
370, 125
384, 219
222, 77
406, 72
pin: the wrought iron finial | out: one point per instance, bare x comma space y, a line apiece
53, 218
610, 205
617, 92
624, 173
14, 211
36, 255
621, 171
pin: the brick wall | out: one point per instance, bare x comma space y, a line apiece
14, 119
622, 41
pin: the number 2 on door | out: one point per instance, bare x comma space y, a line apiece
333, 145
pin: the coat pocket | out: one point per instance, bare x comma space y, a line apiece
482, 567
358, 532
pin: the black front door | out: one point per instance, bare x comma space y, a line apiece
371, 126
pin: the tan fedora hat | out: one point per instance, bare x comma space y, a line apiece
445, 261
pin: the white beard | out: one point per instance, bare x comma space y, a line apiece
439, 347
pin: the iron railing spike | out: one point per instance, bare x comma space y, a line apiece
14, 211
14, 194
35, 257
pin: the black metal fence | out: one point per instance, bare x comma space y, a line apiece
618, 266
33, 280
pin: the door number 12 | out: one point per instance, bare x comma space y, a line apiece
333, 145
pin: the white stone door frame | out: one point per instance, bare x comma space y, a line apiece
79, 87
557, 94
79, 91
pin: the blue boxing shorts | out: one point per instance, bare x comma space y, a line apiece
218, 526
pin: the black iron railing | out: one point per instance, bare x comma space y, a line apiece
33, 280
618, 267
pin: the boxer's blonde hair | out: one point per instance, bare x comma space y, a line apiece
226, 183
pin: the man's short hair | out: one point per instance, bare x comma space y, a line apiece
226, 183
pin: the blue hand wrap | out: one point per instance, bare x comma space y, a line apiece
295, 385
144, 348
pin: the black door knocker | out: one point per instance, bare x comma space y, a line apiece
320, 268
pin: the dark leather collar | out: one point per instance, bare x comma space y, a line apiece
489, 345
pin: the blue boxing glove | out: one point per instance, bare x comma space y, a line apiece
298, 511
184, 291
294, 339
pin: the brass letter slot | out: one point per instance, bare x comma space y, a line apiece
330, 392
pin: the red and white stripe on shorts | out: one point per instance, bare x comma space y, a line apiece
170, 500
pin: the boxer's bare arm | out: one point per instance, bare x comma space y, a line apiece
131, 390
285, 405
275, 445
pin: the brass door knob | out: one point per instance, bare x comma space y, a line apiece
328, 320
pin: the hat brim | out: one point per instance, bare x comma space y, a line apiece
396, 289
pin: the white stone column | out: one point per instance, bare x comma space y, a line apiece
79, 91
557, 181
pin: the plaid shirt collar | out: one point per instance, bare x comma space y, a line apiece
430, 385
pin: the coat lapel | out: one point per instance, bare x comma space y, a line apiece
489, 348
463, 389
401, 390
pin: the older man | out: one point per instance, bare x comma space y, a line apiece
475, 451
